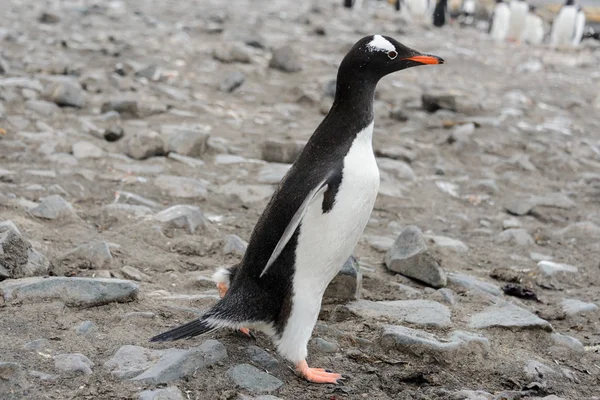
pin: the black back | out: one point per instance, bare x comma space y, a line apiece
439, 13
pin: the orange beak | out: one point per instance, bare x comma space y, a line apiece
426, 59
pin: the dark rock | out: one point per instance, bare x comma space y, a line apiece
346, 284
252, 379
281, 151
232, 81
17, 258
330, 88
72, 291
49, 18
73, 363
396, 153
513, 289
53, 207
285, 59
113, 133
262, 358
397, 114
410, 256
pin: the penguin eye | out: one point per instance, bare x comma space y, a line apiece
392, 54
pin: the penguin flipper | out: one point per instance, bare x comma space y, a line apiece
295, 221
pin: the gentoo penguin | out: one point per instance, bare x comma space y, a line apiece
467, 9
518, 15
420, 10
534, 28
314, 219
568, 25
500, 20
441, 16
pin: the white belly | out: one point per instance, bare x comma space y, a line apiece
327, 240
518, 14
500, 22
534, 30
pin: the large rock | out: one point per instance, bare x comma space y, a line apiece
53, 207
410, 256
73, 292
418, 312
281, 151
346, 284
285, 59
509, 316
421, 343
157, 367
94, 255
252, 379
17, 258
72, 363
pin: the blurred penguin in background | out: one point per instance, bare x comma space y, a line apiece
534, 28
420, 10
500, 20
568, 26
441, 15
518, 17
467, 11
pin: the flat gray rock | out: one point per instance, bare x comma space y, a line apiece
262, 358
162, 366
135, 274
73, 363
574, 307
188, 142
168, 393
509, 316
398, 169
568, 342
233, 244
53, 207
550, 268
420, 342
468, 282
85, 149
410, 256
252, 379
584, 229
516, 236
345, 286
71, 291
418, 312
536, 371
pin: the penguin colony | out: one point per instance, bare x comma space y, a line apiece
314, 220
511, 20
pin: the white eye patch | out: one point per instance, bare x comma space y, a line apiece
379, 43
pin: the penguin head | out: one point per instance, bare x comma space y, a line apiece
376, 56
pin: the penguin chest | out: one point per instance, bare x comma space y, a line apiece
327, 239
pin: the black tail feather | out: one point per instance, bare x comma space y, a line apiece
191, 329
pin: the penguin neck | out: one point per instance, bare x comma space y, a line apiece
354, 99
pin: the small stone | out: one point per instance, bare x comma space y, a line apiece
576, 307
135, 274
128, 108
585, 229
73, 363
285, 59
232, 81
42, 107
380, 243
10, 225
444, 242
511, 223
87, 150
419, 343
157, 367
178, 186
567, 342
232, 52
10, 371
67, 93
324, 346
94, 255
188, 142
262, 358
550, 268
74, 292
520, 206
113, 133
49, 18
519, 237
183, 217
247, 194
252, 379
4, 69
330, 88
86, 327
280, 151
169, 393
461, 133
132, 198
398, 169
397, 114
536, 371
444, 295
145, 144
410, 256
112, 213
508, 316
434, 99
540, 257
418, 312
17, 258
53, 207
38, 345
346, 284
471, 395
396, 153
234, 245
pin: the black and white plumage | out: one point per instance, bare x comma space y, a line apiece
534, 28
500, 21
568, 26
314, 219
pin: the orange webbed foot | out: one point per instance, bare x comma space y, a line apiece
317, 375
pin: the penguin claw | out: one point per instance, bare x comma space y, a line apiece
317, 375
